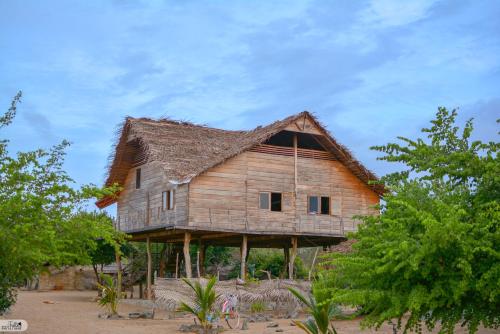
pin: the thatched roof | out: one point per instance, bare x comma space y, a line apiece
185, 150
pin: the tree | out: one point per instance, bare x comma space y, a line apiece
103, 251
433, 254
218, 257
38, 224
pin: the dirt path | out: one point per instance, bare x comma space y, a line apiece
76, 312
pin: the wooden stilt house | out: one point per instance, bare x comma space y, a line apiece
286, 185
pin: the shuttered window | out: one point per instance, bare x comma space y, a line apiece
168, 200
264, 201
313, 204
270, 201
318, 205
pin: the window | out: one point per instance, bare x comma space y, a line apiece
167, 200
270, 201
264, 201
138, 178
275, 201
313, 204
325, 205
317, 204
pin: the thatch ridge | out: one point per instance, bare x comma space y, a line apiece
185, 149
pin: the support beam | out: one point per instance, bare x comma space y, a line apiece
198, 263
187, 256
243, 257
295, 144
286, 254
203, 249
118, 259
148, 272
293, 254
177, 265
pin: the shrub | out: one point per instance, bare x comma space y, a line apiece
204, 302
257, 307
109, 297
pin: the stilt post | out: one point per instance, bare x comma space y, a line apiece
177, 265
148, 272
187, 256
293, 254
203, 249
286, 262
243, 257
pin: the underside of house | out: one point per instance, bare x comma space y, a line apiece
286, 185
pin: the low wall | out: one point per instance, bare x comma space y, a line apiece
67, 278
274, 294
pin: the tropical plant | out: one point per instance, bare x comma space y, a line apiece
322, 313
38, 224
203, 303
109, 295
433, 254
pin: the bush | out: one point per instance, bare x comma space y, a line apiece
271, 260
257, 307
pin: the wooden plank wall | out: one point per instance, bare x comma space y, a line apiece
226, 197
132, 204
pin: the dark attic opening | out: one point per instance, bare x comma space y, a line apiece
304, 140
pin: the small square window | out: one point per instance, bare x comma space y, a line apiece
264, 201
138, 178
313, 205
276, 201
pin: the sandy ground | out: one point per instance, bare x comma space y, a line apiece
76, 312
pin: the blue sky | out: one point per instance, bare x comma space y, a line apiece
370, 70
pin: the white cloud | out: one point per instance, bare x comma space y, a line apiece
392, 13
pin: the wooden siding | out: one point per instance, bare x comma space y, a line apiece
132, 205
226, 197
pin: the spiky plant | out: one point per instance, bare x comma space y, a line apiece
203, 302
109, 297
322, 315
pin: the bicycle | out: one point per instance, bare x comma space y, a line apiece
230, 312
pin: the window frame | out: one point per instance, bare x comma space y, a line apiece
268, 193
320, 206
269, 201
168, 200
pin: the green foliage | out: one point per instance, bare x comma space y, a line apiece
321, 311
38, 224
203, 302
109, 293
217, 256
257, 307
270, 260
433, 253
